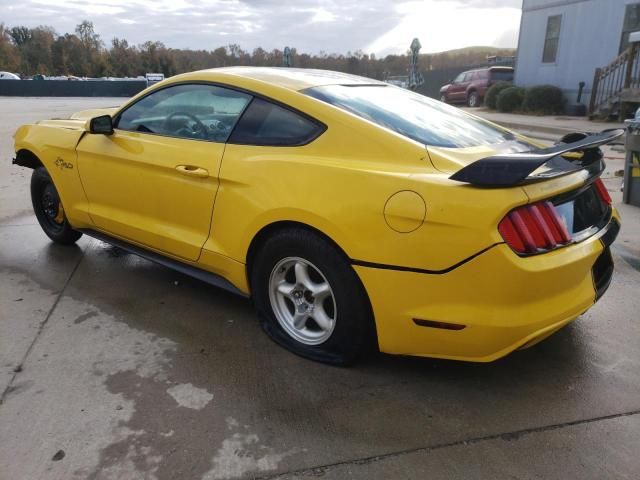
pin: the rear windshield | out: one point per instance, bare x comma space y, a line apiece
502, 75
415, 116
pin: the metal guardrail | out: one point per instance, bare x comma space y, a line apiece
71, 88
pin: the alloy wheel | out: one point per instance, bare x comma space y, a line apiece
302, 300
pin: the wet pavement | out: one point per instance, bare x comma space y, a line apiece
112, 367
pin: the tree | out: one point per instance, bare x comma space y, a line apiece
155, 57
87, 35
94, 62
20, 35
9, 55
123, 59
83, 53
34, 47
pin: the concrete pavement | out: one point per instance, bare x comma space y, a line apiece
112, 367
549, 127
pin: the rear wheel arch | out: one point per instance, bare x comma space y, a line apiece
271, 229
26, 158
283, 232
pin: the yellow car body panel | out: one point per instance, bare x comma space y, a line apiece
138, 191
502, 302
54, 146
385, 200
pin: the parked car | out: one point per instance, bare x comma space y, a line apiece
356, 214
470, 87
8, 76
401, 81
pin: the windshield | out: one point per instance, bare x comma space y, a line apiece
415, 116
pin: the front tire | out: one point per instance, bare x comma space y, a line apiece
309, 298
48, 209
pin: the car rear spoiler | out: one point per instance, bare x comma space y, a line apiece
511, 169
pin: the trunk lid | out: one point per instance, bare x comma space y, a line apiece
452, 160
579, 151
541, 172
565, 175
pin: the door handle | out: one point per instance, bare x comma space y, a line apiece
192, 171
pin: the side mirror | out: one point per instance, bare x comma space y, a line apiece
102, 125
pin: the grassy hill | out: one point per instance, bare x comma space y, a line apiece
462, 57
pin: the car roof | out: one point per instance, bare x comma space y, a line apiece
483, 69
284, 77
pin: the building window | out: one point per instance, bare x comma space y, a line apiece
551, 39
631, 24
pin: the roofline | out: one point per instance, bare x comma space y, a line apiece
236, 71
557, 3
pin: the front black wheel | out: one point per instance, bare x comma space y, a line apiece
48, 209
309, 298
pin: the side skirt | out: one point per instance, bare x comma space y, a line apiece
191, 271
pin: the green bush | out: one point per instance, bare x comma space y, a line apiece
510, 99
543, 99
491, 96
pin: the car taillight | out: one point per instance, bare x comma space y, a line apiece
603, 193
534, 228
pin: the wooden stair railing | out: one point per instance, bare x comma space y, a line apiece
609, 82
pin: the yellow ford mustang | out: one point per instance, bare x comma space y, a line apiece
353, 212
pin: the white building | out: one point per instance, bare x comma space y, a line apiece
562, 42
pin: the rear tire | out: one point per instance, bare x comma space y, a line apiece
309, 298
473, 100
48, 209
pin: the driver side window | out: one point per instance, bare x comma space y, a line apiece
199, 112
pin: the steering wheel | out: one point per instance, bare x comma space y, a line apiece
201, 131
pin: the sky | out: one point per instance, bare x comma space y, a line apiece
332, 26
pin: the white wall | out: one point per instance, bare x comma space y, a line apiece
589, 38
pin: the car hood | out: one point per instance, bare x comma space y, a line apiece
445, 87
94, 112
78, 120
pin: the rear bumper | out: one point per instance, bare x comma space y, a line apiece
503, 301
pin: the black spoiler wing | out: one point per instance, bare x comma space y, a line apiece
515, 168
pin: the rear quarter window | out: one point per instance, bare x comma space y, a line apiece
412, 115
265, 123
502, 75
